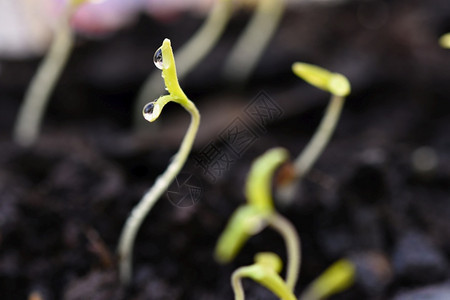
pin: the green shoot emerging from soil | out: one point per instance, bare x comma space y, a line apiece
337, 278
444, 41
165, 61
29, 120
251, 44
265, 271
339, 87
191, 53
259, 212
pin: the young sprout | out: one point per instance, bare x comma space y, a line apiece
258, 213
28, 123
444, 41
191, 53
337, 278
165, 61
252, 42
264, 271
339, 87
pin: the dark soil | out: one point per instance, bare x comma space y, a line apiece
64, 200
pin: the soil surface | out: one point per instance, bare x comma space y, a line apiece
379, 195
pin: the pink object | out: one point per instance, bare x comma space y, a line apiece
98, 17
105, 16
26, 26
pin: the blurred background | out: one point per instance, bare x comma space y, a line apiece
379, 195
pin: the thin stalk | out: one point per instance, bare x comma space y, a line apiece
292, 241
254, 40
28, 123
339, 87
190, 54
315, 147
236, 284
138, 214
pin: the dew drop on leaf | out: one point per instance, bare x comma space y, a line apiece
158, 59
151, 111
148, 109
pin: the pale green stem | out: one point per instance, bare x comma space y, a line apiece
315, 147
237, 286
254, 40
292, 241
189, 55
137, 216
28, 123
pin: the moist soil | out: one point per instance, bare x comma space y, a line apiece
379, 195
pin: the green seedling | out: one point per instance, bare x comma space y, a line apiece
165, 61
339, 87
258, 213
28, 123
444, 41
264, 271
191, 53
255, 38
337, 278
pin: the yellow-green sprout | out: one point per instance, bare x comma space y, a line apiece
245, 222
165, 61
444, 41
255, 38
335, 83
337, 278
258, 189
191, 53
28, 123
339, 87
264, 271
258, 213
250, 219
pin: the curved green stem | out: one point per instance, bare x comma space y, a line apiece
161, 184
292, 241
138, 214
236, 284
315, 147
253, 41
190, 54
265, 273
28, 123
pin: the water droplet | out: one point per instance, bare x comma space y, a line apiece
151, 111
158, 59
148, 109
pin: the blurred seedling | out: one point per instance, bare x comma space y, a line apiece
255, 38
165, 61
258, 213
264, 271
191, 53
444, 41
28, 123
335, 279
339, 87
